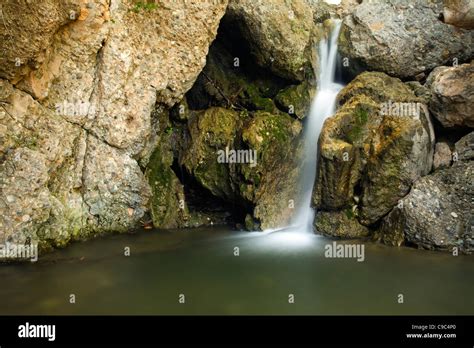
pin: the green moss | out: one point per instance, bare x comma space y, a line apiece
144, 6
361, 117
349, 213
296, 100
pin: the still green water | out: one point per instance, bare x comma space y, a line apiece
200, 263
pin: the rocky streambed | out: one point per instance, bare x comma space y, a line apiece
113, 116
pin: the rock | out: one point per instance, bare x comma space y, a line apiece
346, 7
113, 183
27, 32
464, 148
296, 100
438, 211
442, 156
459, 13
279, 33
80, 108
272, 185
423, 42
452, 90
223, 84
321, 10
210, 131
169, 208
251, 224
341, 224
377, 144
264, 186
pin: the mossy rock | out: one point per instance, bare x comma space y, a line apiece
341, 224
211, 131
369, 156
296, 100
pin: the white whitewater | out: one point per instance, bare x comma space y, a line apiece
322, 107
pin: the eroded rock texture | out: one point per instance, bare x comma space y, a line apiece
379, 142
402, 38
79, 83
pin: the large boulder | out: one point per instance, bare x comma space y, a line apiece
279, 33
452, 95
272, 185
77, 110
402, 39
380, 134
211, 131
437, 213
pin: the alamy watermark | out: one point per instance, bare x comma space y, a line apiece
11, 251
392, 108
237, 156
79, 108
346, 251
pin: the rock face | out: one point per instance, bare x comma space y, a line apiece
452, 90
442, 156
377, 144
77, 110
372, 31
279, 33
459, 13
438, 212
464, 148
261, 177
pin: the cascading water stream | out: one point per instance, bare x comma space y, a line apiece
322, 107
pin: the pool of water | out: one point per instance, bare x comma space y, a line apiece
202, 265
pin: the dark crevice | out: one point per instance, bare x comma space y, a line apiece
229, 72
199, 199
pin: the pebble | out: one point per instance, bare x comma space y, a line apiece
454, 215
10, 199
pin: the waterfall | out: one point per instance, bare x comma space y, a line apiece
322, 107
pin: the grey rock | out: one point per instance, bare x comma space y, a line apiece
464, 148
438, 211
372, 31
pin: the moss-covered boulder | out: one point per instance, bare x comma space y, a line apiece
271, 185
296, 99
211, 131
377, 144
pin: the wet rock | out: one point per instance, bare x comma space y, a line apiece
296, 100
452, 90
342, 224
272, 185
442, 156
377, 144
438, 211
370, 33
